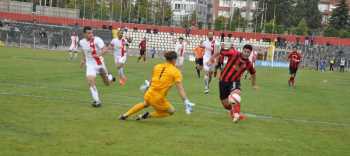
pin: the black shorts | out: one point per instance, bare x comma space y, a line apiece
199, 61
227, 87
219, 66
142, 52
293, 70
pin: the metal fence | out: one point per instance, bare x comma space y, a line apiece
50, 37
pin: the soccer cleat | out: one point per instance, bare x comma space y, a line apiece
96, 104
122, 81
123, 117
143, 116
235, 117
206, 90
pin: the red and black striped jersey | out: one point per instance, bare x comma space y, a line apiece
235, 67
294, 59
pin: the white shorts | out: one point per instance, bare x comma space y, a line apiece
206, 67
120, 59
93, 70
180, 61
73, 48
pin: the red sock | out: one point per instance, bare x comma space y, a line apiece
237, 108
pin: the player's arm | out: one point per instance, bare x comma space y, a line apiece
83, 60
253, 79
181, 90
252, 72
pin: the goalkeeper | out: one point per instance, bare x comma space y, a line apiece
164, 76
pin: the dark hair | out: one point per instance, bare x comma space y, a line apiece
248, 46
170, 55
86, 28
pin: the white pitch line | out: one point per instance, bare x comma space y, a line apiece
209, 109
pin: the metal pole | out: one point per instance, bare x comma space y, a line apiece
7, 39
34, 39
121, 10
20, 40
48, 42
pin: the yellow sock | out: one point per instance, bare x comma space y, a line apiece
159, 114
136, 108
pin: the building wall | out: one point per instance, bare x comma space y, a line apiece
184, 9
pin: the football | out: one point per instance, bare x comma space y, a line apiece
234, 98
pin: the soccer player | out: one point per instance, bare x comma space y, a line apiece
73, 49
93, 48
180, 48
209, 50
199, 52
231, 75
119, 46
294, 59
164, 76
142, 47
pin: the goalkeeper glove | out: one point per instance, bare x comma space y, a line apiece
188, 106
145, 86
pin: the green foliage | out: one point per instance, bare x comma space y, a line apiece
220, 23
340, 16
330, 32
302, 28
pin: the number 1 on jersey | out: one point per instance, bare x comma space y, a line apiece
161, 73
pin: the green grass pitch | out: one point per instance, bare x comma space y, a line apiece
45, 110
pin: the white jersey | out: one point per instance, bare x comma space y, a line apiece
90, 48
74, 43
342, 62
119, 47
180, 49
209, 48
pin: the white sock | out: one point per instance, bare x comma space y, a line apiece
94, 93
206, 81
121, 72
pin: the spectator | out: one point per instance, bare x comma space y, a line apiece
342, 65
188, 32
222, 38
331, 64
323, 65
153, 52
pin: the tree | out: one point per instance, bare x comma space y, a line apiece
194, 18
302, 28
330, 32
340, 16
280, 10
220, 23
313, 15
308, 10
185, 23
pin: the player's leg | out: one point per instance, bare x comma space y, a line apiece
91, 79
120, 61
198, 70
162, 108
139, 58
179, 63
107, 79
133, 110
225, 90
71, 49
144, 55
